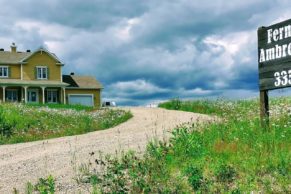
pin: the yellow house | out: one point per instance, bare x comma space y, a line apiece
36, 77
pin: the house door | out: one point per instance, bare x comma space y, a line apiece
12, 95
52, 96
32, 96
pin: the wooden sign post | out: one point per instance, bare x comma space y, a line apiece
264, 107
274, 59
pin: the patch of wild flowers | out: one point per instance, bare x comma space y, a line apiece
30, 123
234, 155
238, 148
125, 172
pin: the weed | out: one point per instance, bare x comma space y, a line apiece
43, 186
195, 177
225, 173
46, 185
29, 188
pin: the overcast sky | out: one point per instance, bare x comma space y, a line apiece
144, 51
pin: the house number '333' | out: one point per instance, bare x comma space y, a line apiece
283, 78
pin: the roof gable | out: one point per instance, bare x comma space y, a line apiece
45, 51
7, 57
88, 82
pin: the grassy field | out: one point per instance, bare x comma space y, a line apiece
23, 123
234, 155
63, 106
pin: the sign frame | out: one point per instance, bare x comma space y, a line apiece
274, 62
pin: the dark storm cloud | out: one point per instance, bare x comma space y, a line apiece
97, 14
145, 51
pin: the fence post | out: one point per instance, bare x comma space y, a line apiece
264, 107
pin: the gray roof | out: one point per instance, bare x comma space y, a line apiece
75, 81
7, 57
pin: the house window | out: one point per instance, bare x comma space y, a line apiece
52, 96
41, 72
3, 71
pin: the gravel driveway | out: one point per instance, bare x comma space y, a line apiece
61, 157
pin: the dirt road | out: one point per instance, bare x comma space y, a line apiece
61, 157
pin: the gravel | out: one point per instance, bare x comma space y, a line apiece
61, 157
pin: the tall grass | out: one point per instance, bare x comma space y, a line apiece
199, 106
234, 155
23, 123
63, 106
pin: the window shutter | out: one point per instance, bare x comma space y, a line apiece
48, 73
35, 72
9, 72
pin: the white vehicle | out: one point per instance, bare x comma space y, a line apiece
108, 104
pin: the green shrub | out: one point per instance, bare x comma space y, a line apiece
6, 128
195, 177
46, 185
225, 173
43, 186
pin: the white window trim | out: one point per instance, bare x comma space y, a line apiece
41, 72
7, 72
82, 95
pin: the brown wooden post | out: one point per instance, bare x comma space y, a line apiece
264, 106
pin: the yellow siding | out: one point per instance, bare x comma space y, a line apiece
95, 92
14, 71
41, 59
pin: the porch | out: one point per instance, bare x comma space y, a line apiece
32, 94
12, 90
